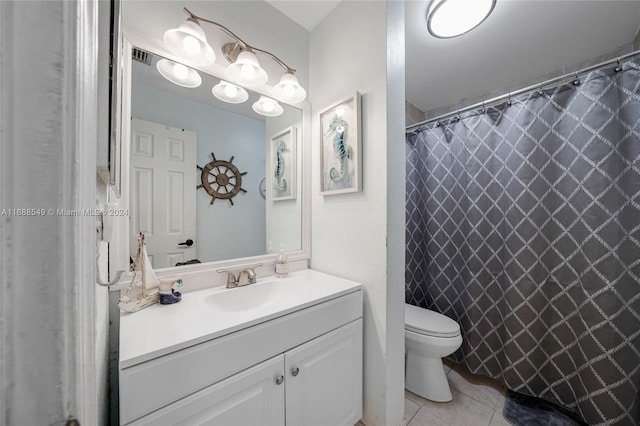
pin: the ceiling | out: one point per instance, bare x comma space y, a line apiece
521, 41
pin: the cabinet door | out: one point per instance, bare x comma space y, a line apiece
251, 397
324, 379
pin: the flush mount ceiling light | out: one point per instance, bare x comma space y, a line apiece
229, 92
267, 107
451, 18
179, 74
188, 41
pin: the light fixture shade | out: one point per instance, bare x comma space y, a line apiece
289, 90
188, 41
267, 107
247, 71
451, 18
230, 93
179, 74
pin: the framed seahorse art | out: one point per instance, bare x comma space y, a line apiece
341, 147
283, 165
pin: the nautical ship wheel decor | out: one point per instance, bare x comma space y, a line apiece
221, 179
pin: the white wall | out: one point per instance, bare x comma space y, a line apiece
284, 217
223, 231
350, 232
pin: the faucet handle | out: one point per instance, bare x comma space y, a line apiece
232, 280
251, 273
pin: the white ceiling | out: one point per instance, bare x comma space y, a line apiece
521, 40
307, 13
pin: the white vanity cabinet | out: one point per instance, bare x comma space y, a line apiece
301, 365
316, 383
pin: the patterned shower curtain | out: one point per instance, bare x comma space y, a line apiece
523, 224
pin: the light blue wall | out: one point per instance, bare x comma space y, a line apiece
223, 231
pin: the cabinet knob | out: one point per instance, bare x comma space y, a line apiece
279, 379
295, 371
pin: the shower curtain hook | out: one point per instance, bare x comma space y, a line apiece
618, 68
540, 92
483, 109
509, 100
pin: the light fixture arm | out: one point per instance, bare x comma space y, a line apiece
241, 42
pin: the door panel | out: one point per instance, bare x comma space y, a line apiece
251, 397
163, 195
324, 379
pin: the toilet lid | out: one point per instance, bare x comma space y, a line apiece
424, 321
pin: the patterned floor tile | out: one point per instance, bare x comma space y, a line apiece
480, 388
410, 409
462, 411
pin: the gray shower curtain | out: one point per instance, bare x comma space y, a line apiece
523, 224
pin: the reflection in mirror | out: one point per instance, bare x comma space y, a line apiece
207, 177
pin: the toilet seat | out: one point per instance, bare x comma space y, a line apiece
429, 323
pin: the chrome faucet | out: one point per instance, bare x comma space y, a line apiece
235, 279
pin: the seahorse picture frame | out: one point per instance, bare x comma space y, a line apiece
283, 165
341, 147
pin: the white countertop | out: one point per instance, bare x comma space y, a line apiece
162, 329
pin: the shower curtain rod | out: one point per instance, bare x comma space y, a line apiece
537, 86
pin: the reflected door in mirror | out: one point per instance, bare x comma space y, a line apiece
163, 197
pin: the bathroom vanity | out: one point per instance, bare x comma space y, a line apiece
282, 351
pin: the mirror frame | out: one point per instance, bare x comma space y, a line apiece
119, 253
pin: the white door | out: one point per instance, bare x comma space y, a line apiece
252, 397
163, 192
324, 379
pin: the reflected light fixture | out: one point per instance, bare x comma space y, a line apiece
452, 18
179, 74
229, 92
188, 41
267, 107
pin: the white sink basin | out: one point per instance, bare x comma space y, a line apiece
253, 296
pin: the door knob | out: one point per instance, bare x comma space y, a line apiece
279, 379
187, 243
295, 371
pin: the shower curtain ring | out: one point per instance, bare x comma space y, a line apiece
483, 109
618, 68
540, 92
509, 100
576, 82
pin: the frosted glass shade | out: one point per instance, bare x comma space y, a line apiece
230, 93
179, 74
289, 90
267, 107
451, 18
188, 41
247, 71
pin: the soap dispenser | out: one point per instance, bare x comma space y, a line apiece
282, 263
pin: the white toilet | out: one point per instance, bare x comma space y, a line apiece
429, 336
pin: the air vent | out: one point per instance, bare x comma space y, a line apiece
141, 56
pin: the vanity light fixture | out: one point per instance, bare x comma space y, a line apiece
451, 18
229, 92
289, 89
267, 107
179, 74
189, 41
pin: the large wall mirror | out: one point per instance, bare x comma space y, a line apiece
206, 180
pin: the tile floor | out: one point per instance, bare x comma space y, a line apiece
477, 401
